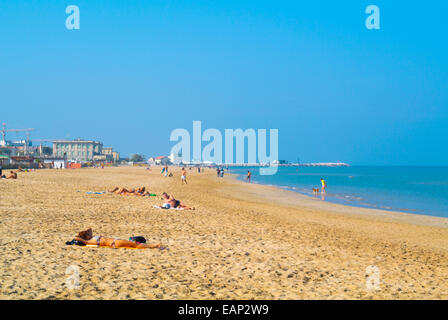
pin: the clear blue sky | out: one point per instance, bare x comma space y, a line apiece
136, 70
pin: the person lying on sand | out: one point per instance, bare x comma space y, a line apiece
87, 238
142, 192
138, 192
170, 202
118, 190
12, 175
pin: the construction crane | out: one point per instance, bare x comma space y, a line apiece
4, 130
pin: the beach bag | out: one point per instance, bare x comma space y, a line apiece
75, 242
138, 239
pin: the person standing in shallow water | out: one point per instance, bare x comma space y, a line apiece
324, 185
249, 175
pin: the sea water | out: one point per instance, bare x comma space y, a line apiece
419, 190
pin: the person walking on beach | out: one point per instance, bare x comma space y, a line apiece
184, 176
324, 185
249, 175
218, 171
222, 173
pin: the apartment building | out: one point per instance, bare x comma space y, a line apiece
77, 150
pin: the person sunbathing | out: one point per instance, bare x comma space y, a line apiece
142, 192
119, 190
138, 192
87, 238
170, 202
12, 175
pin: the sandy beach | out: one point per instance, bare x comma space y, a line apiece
243, 241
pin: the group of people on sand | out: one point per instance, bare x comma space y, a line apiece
12, 174
183, 177
86, 237
220, 172
165, 172
168, 200
137, 192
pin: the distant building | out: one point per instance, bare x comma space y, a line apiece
111, 154
107, 150
77, 150
106, 155
116, 156
175, 158
162, 160
151, 161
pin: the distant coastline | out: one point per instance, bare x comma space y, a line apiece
315, 164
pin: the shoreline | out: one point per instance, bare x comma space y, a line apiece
340, 198
307, 201
242, 241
